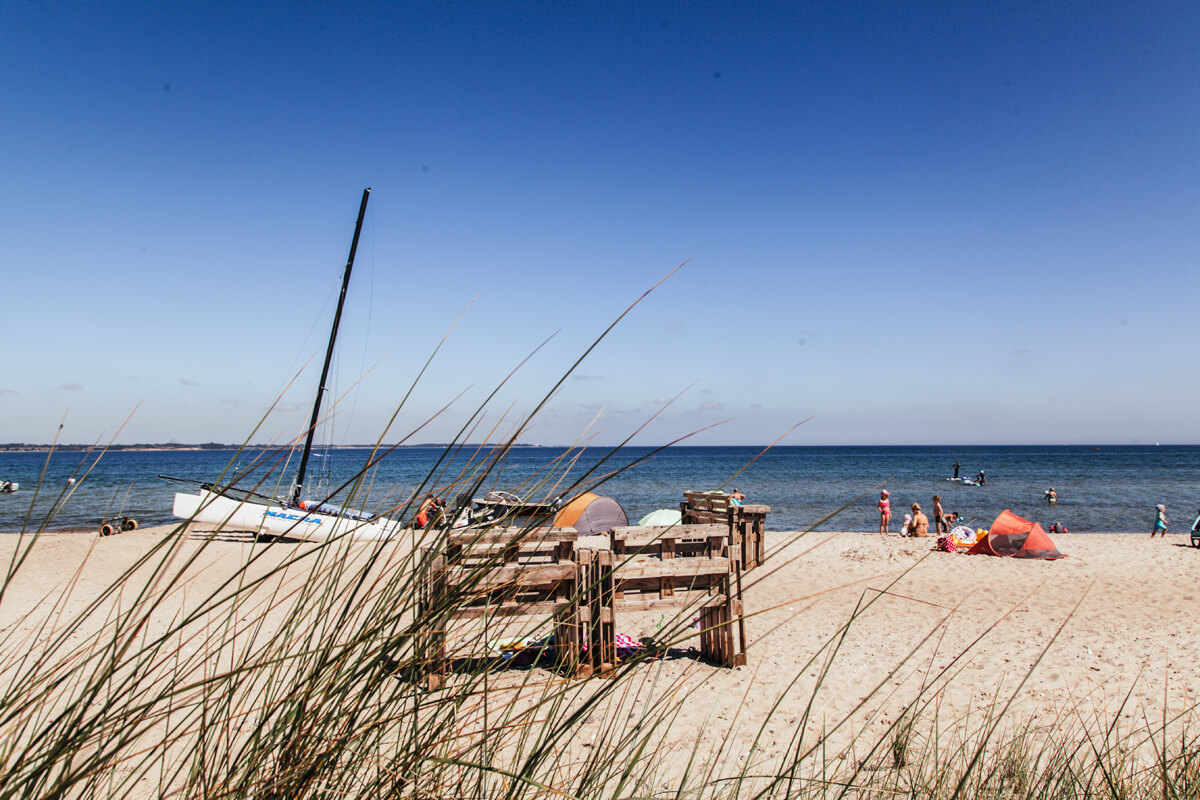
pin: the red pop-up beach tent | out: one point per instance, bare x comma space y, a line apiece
1012, 536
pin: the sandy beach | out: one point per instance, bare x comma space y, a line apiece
1105, 634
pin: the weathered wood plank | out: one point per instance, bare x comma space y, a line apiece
678, 601
640, 567
517, 575
533, 609
509, 535
636, 537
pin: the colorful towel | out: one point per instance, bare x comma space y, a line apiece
626, 645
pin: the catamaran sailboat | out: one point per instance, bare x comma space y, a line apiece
238, 509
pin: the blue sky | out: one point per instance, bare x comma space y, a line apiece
911, 223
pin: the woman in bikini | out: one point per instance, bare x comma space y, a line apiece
885, 512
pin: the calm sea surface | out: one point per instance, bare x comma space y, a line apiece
1100, 489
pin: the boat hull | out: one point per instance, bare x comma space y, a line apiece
276, 519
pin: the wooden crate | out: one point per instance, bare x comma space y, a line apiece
654, 571
749, 524
669, 541
511, 545
700, 508
452, 591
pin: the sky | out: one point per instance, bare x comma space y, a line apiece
918, 223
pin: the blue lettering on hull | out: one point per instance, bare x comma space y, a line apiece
294, 517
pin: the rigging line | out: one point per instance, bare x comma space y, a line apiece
297, 356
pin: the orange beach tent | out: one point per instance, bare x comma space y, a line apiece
591, 514
1012, 536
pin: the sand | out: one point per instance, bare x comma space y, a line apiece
1105, 633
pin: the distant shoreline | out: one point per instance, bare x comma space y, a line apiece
151, 448
14, 447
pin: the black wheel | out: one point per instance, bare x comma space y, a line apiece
1195, 542
129, 525
107, 530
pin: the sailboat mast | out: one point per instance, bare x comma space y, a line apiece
337, 317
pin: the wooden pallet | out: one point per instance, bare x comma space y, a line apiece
749, 524
669, 541
550, 591
678, 567
512, 545
699, 508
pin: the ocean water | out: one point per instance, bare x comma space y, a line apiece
1100, 489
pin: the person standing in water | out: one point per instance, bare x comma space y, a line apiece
1160, 521
885, 513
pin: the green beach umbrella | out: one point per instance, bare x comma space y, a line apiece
663, 516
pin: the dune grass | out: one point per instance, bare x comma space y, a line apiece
298, 673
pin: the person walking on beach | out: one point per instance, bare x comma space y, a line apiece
920, 523
939, 516
1160, 521
885, 513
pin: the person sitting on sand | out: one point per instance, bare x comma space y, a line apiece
1160, 521
885, 513
428, 504
920, 523
939, 516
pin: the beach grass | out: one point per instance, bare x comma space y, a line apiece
300, 674
299, 670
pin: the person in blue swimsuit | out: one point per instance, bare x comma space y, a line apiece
1160, 521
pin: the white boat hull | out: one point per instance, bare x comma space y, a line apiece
276, 519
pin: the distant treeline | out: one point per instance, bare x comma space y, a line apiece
21, 447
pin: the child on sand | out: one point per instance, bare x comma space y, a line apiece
1160, 521
885, 512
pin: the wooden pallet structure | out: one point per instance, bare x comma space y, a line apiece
746, 523
682, 568
503, 573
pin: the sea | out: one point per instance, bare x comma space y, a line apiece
1101, 489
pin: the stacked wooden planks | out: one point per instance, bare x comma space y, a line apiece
684, 567
500, 573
